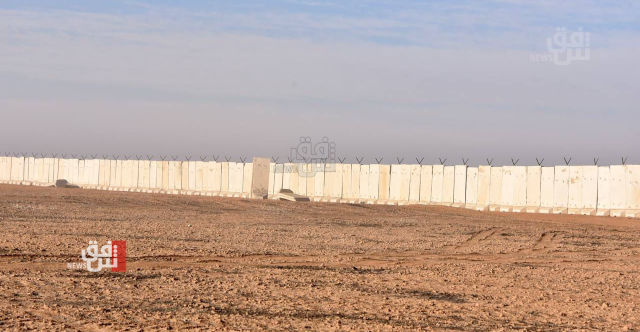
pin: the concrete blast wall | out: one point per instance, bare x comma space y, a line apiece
588, 190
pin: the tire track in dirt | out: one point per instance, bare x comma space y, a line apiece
478, 238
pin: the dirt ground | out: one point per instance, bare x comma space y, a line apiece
206, 263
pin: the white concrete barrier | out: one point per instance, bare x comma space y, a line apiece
633, 191
303, 172
484, 188
329, 182
185, 177
286, 176
589, 190
405, 184
224, 188
426, 177
178, 177
520, 189
3, 170
414, 184
31, 167
355, 183
117, 181
144, 175
311, 172
238, 180
199, 173
575, 189
508, 188
260, 178
384, 184
233, 174
618, 190
127, 175
247, 180
547, 189
272, 178
561, 190
318, 193
448, 185
294, 178
495, 191
471, 191
364, 183
346, 183
215, 176
80, 176
374, 184
437, 184
192, 175
395, 184
460, 185
154, 176
534, 180
166, 176
109, 170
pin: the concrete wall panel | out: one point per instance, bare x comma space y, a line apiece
153, 174
303, 172
346, 181
520, 189
414, 183
618, 190
405, 184
547, 189
471, 191
395, 182
199, 176
216, 176
437, 184
329, 180
589, 190
561, 189
319, 181
460, 185
364, 182
604, 191
192, 175
484, 187
337, 182
294, 181
355, 182
260, 178
310, 170
286, 176
224, 187
384, 183
534, 179
278, 178
575, 189
633, 189
495, 190
374, 182
448, 185
426, 177
247, 179
508, 188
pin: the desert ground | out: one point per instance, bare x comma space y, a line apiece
231, 264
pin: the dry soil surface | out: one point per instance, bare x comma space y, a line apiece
205, 263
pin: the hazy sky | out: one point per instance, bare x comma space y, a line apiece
446, 79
